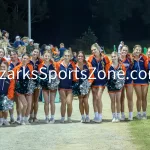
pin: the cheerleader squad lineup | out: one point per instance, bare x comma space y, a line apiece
26, 70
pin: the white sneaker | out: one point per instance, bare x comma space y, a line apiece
113, 120
22, 122
99, 120
144, 117
27, 122
83, 120
117, 119
6, 123
123, 118
62, 120
130, 118
18, 121
87, 120
69, 120
52, 120
139, 116
46, 120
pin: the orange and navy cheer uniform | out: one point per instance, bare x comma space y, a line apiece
86, 73
22, 80
128, 65
35, 68
7, 87
66, 83
45, 72
12, 66
99, 66
115, 83
140, 65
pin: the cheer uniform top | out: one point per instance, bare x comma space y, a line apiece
35, 68
22, 80
44, 72
128, 65
115, 82
140, 64
66, 81
101, 80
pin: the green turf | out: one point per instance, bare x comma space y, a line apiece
140, 130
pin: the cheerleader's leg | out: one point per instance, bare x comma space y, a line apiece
52, 105
46, 103
122, 102
129, 93
69, 103
81, 106
138, 91
23, 101
29, 102
63, 97
144, 100
95, 98
36, 95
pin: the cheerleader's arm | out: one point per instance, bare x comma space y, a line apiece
11, 89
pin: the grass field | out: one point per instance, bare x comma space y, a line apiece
140, 130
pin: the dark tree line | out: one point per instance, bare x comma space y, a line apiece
112, 14
14, 15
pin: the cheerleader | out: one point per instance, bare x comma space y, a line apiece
35, 61
140, 80
126, 60
6, 93
46, 67
64, 69
99, 62
84, 72
115, 84
12, 64
24, 87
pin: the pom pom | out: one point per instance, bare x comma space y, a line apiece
5, 103
84, 87
54, 82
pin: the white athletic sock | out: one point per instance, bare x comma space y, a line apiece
144, 113
63, 118
96, 114
122, 114
113, 115
23, 118
87, 116
82, 116
138, 113
69, 118
118, 115
47, 117
52, 116
100, 116
1, 119
130, 114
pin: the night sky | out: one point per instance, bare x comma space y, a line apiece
68, 20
